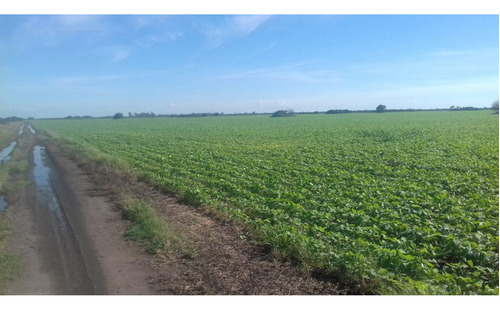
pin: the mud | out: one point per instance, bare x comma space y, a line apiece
73, 275
70, 243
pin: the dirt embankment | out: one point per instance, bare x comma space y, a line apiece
101, 261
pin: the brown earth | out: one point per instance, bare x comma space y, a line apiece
221, 259
113, 265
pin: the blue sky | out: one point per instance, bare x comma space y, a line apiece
59, 65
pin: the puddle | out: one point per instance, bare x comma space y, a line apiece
3, 204
31, 129
21, 130
5, 153
47, 202
45, 192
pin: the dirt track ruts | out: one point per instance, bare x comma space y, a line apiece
78, 249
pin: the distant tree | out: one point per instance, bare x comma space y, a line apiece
459, 108
118, 116
141, 115
10, 119
283, 113
337, 111
494, 106
452, 107
381, 108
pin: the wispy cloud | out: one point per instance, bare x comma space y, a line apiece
150, 40
71, 81
244, 25
297, 72
87, 84
258, 52
440, 63
120, 53
51, 30
115, 53
134, 32
78, 22
463, 87
232, 27
453, 53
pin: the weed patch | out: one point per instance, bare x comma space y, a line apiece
148, 229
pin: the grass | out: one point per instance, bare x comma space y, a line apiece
148, 229
8, 134
10, 264
17, 165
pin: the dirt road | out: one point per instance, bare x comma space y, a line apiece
71, 242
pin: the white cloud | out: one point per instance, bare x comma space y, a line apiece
443, 62
246, 24
461, 88
140, 22
85, 84
232, 27
79, 22
452, 53
72, 81
120, 54
159, 38
298, 72
51, 30
115, 53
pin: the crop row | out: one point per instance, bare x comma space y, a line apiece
402, 202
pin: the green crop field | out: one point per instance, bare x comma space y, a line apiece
402, 202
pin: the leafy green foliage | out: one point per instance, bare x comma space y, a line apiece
381, 108
399, 202
146, 226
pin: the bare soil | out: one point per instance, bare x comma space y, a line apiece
223, 260
111, 265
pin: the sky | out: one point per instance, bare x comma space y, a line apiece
98, 65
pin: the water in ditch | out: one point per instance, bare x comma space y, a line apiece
3, 204
6, 152
31, 129
21, 130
